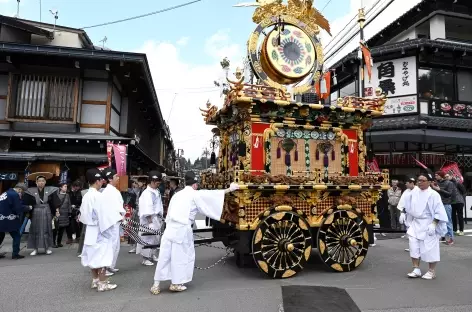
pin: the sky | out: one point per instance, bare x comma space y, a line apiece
184, 46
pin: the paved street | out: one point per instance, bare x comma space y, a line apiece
58, 283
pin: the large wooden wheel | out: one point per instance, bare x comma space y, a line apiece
343, 240
282, 244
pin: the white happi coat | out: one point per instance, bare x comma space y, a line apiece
422, 207
177, 253
150, 205
100, 221
113, 200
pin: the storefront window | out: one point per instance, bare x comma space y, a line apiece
464, 85
349, 90
334, 97
436, 83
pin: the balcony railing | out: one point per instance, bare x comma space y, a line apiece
43, 98
453, 109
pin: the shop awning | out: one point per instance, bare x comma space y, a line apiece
50, 156
62, 136
426, 136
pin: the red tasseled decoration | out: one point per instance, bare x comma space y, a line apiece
326, 160
296, 155
287, 159
279, 152
333, 155
317, 154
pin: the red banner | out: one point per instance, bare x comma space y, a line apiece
109, 151
120, 158
453, 170
372, 166
353, 155
257, 147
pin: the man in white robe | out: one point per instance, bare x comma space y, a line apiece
427, 221
113, 201
177, 251
150, 215
97, 253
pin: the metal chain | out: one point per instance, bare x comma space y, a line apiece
139, 227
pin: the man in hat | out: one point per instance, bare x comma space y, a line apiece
177, 251
43, 209
113, 201
150, 214
427, 221
11, 211
100, 219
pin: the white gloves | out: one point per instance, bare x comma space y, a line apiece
402, 218
233, 187
431, 229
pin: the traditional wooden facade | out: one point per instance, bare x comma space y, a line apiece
424, 64
62, 99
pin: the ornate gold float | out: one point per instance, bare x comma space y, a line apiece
300, 166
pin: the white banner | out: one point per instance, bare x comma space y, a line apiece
395, 77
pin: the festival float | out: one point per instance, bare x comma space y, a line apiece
300, 162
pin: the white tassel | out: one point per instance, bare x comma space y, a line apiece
323, 86
359, 54
335, 80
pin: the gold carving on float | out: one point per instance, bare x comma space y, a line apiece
288, 273
278, 216
300, 9
302, 224
263, 265
307, 253
366, 235
337, 267
359, 260
321, 246
258, 236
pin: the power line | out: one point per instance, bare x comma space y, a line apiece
143, 15
366, 24
326, 6
352, 27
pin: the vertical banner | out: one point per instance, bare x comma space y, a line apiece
372, 166
109, 152
353, 152
27, 173
120, 158
63, 176
453, 170
257, 146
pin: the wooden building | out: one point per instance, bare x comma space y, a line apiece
423, 62
62, 99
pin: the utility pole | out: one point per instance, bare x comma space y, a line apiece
361, 21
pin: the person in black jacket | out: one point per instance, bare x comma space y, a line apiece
75, 200
458, 203
446, 190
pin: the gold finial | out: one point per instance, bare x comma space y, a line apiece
238, 73
361, 16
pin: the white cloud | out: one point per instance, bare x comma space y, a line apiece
182, 87
390, 14
183, 41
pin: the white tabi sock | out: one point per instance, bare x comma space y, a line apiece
417, 271
156, 284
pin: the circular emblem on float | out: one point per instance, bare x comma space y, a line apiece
293, 54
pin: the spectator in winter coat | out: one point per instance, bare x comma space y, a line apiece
458, 203
446, 189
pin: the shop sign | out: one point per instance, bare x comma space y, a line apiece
397, 78
8, 176
401, 105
